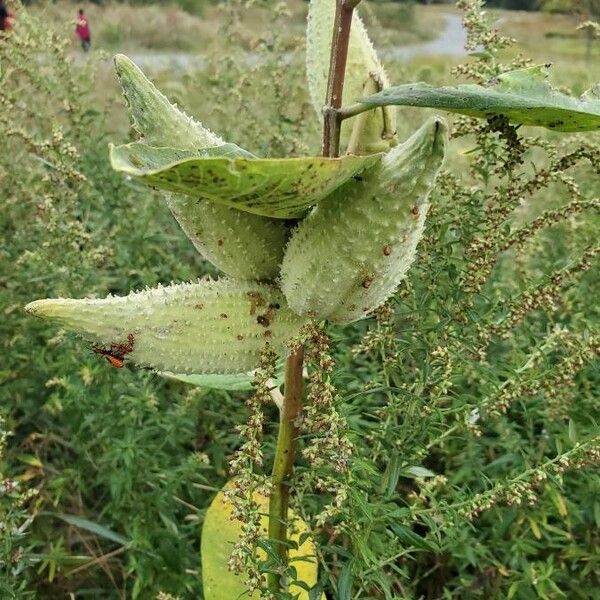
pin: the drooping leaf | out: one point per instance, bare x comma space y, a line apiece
273, 187
189, 328
240, 244
220, 532
363, 70
523, 96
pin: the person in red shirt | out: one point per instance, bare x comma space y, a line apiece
7, 19
83, 31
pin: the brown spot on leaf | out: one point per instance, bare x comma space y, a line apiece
387, 250
219, 242
223, 315
240, 337
267, 333
415, 211
199, 306
367, 281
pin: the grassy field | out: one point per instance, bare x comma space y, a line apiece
123, 27
114, 468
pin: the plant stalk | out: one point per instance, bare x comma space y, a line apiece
332, 121
285, 451
284, 462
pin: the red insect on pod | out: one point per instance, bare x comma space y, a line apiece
115, 356
114, 361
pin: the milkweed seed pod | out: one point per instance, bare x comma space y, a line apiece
350, 253
153, 117
190, 328
373, 131
240, 244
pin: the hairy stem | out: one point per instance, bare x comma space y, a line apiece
342, 22
284, 462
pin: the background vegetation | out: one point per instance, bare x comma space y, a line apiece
472, 400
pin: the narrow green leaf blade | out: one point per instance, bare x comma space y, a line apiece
418, 471
278, 187
523, 96
190, 328
92, 527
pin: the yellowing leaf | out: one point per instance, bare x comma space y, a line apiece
535, 529
220, 532
189, 328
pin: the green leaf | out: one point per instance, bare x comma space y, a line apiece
221, 531
524, 96
232, 382
92, 527
344, 584
189, 328
409, 538
276, 187
417, 471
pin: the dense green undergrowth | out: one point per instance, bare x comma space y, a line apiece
471, 399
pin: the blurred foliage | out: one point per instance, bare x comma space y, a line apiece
586, 8
471, 399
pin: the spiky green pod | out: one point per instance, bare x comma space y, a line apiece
349, 255
154, 117
240, 244
364, 74
206, 327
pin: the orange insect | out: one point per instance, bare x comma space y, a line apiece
117, 352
